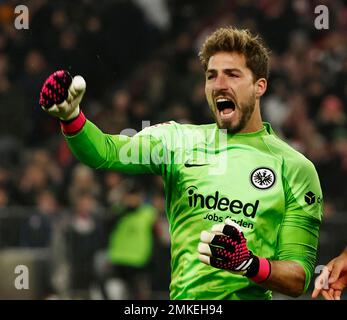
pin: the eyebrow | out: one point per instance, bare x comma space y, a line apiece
224, 70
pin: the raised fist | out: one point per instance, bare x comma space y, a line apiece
61, 95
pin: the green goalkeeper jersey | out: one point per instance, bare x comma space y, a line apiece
256, 179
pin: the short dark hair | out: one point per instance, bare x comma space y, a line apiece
230, 39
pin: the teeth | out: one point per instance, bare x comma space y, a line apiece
222, 100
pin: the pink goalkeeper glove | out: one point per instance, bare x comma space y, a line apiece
61, 95
226, 248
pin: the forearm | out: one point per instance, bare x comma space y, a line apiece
92, 147
287, 277
117, 152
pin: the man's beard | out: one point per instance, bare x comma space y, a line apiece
245, 110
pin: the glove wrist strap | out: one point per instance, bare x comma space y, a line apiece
73, 126
72, 116
260, 270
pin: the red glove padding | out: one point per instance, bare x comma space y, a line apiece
226, 248
55, 90
60, 97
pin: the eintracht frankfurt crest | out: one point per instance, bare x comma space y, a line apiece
263, 178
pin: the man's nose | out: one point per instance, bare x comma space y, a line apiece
221, 83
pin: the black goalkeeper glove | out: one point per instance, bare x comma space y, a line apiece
225, 247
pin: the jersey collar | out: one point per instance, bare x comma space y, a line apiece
264, 131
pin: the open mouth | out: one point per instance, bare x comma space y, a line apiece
225, 106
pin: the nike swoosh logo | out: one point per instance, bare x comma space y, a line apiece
190, 165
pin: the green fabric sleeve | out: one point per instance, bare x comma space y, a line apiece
299, 233
298, 241
142, 153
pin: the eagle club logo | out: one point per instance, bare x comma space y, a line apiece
263, 178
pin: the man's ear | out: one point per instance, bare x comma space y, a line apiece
260, 87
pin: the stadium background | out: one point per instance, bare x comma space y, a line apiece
139, 58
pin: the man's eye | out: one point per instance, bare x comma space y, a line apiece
210, 76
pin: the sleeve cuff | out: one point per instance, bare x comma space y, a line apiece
264, 271
73, 126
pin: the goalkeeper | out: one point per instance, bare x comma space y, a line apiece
244, 207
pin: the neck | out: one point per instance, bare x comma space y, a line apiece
255, 122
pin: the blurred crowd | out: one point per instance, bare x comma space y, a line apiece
139, 59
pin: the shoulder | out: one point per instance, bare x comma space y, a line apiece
292, 159
177, 130
158, 127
